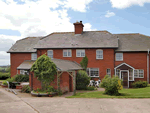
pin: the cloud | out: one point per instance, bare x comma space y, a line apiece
36, 18
121, 4
109, 14
77, 5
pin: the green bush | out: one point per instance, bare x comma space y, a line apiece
111, 85
26, 89
5, 83
139, 84
82, 80
10, 79
4, 76
21, 78
50, 89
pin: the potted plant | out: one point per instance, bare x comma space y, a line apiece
4, 85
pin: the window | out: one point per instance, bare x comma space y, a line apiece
93, 72
80, 53
108, 72
119, 56
118, 72
99, 54
24, 72
138, 73
33, 56
130, 74
67, 53
50, 53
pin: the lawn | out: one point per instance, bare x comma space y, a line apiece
125, 93
2, 80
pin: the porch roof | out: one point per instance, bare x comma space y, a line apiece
122, 65
62, 65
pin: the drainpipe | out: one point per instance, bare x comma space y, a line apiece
148, 66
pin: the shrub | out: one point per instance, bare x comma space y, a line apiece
5, 83
25, 89
111, 85
82, 80
4, 76
21, 78
10, 79
50, 89
139, 84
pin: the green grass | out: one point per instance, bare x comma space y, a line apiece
125, 93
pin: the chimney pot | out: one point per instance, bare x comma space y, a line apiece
80, 21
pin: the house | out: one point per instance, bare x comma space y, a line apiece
122, 55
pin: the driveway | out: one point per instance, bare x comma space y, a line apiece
10, 102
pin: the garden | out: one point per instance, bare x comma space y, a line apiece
114, 89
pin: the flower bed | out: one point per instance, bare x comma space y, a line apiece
40, 94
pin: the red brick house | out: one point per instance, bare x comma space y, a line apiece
123, 55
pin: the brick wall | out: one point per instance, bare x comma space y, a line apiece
136, 60
64, 82
106, 62
16, 59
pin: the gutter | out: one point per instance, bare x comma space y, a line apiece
148, 66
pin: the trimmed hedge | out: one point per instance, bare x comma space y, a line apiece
4, 76
21, 78
140, 84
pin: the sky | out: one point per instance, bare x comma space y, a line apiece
23, 18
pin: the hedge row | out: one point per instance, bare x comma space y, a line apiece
4, 76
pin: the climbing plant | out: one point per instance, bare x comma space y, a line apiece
45, 70
84, 63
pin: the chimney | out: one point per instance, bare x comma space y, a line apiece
78, 26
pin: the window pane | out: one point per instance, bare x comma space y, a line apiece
69, 54
135, 73
33, 56
50, 53
65, 53
119, 56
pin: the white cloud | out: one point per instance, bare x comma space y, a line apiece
77, 5
36, 18
121, 4
109, 14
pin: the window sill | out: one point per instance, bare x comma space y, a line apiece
99, 58
119, 60
80, 56
138, 77
67, 56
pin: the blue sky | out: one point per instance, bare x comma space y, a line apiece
22, 18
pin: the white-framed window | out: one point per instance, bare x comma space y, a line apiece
99, 54
24, 72
67, 53
108, 72
33, 56
93, 72
118, 72
50, 53
131, 75
138, 73
80, 53
119, 56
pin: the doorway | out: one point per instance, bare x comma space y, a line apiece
124, 77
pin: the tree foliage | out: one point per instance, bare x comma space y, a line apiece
84, 62
45, 70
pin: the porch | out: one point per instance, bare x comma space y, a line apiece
126, 73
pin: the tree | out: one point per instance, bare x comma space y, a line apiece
84, 62
45, 70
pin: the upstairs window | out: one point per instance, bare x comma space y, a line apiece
93, 72
67, 53
80, 53
99, 54
108, 72
33, 56
50, 53
119, 56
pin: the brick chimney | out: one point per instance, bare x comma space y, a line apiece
78, 27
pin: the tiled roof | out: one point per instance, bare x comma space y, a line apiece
25, 45
88, 39
63, 65
133, 42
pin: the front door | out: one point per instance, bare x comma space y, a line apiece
124, 77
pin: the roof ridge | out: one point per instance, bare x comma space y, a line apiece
127, 34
